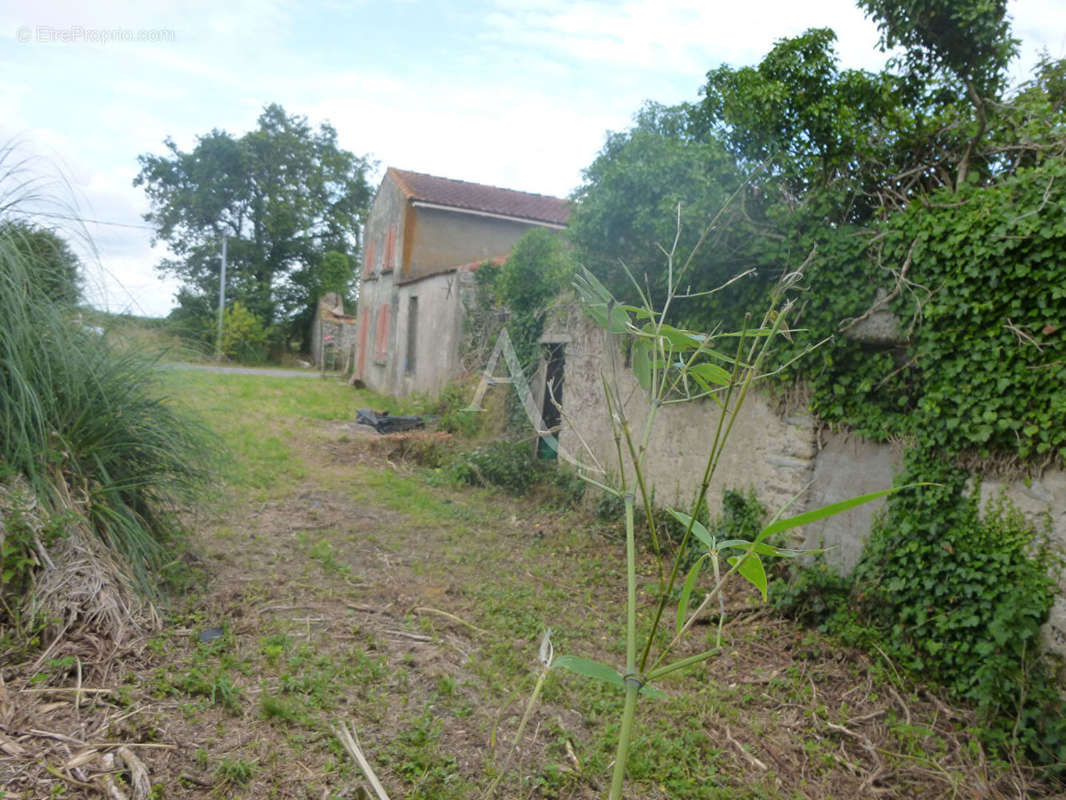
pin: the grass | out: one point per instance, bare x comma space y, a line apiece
353, 587
146, 335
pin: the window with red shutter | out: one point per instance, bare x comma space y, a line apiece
390, 249
381, 344
368, 268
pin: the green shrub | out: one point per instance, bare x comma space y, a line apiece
244, 338
505, 464
962, 597
814, 594
450, 408
956, 597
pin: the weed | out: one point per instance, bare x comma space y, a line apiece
504, 464
415, 755
322, 552
282, 709
80, 417
236, 771
451, 405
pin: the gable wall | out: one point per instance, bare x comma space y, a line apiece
445, 239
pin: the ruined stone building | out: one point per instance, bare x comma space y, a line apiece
424, 238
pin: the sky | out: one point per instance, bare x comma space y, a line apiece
511, 93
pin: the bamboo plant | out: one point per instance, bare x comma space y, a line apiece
673, 365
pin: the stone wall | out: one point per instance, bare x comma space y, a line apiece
775, 454
779, 456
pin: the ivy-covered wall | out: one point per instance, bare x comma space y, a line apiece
977, 281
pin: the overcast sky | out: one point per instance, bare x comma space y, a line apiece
506, 92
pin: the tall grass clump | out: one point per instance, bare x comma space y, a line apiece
92, 457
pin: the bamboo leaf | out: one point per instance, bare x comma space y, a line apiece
637, 311
590, 669
711, 373
764, 549
601, 672
641, 363
698, 530
750, 567
679, 340
827, 511
753, 333
617, 319
686, 593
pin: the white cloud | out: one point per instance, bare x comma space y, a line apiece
516, 93
675, 35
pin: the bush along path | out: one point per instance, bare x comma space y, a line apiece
339, 578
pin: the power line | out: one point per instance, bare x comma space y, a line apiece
92, 221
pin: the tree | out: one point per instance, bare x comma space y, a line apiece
57, 271
967, 41
539, 267
824, 155
970, 39
335, 274
626, 209
283, 195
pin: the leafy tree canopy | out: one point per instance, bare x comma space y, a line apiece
626, 212
970, 39
900, 192
525, 285
284, 195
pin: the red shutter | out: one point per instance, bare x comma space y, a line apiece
390, 248
364, 330
381, 348
368, 268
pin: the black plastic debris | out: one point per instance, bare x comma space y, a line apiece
385, 423
210, 635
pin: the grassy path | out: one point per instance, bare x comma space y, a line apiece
334, 578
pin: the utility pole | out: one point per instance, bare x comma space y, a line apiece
221, 301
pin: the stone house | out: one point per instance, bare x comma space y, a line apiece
333, 334
423, 239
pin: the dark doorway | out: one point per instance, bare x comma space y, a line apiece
555, 360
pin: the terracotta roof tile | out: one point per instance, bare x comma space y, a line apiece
478, 197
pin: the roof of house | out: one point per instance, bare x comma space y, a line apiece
482, 198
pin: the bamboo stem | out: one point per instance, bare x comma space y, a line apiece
632, 683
